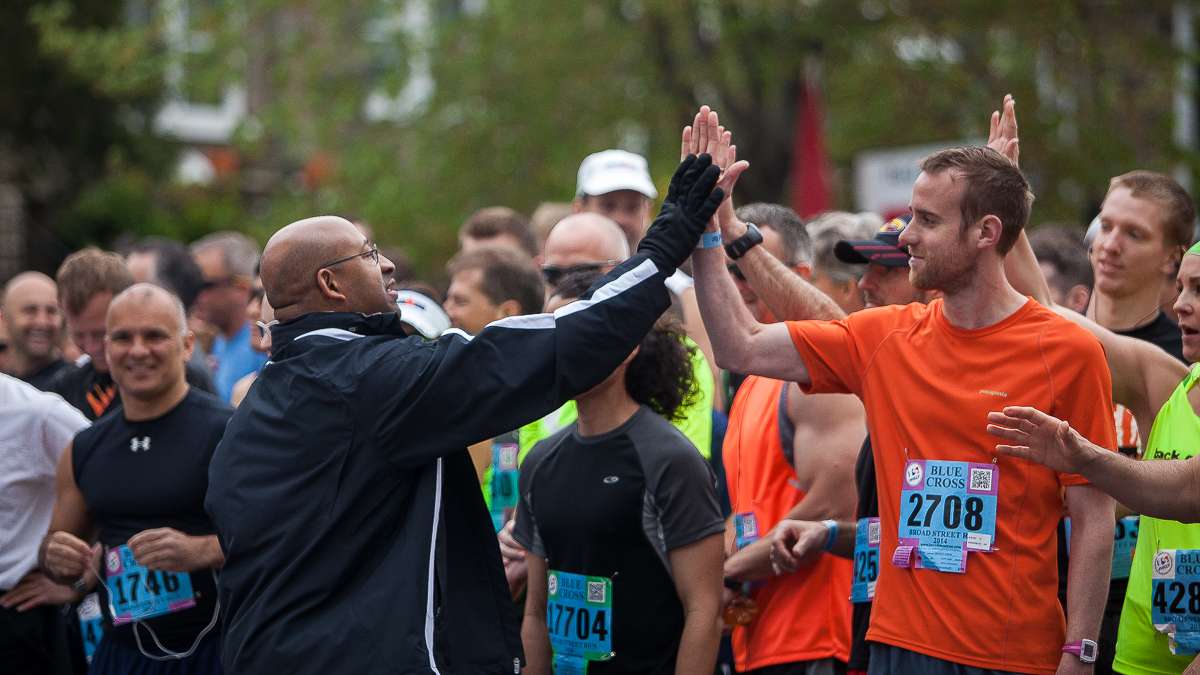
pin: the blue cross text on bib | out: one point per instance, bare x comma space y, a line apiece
1175, 598
137, 593
946, 510
579, 619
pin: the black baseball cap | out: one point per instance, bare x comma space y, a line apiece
884, 249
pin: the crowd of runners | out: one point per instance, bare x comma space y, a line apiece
708, 438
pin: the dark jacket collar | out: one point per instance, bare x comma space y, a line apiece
284, 334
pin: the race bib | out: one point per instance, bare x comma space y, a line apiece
1175, 598
947, 509
578, 619
138, 593
91, 624
745, 528
866, 560
504, 481
1124, 541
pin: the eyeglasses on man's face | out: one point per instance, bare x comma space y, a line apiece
555, 273
372, 253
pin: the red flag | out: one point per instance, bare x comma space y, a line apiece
810, 184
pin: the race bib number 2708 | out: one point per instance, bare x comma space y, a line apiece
947, 509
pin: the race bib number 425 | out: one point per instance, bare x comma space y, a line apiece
1175, 598
866, 560
947, 509
138, 593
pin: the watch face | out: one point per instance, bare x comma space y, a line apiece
1087, 652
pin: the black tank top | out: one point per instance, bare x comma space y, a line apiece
148, 474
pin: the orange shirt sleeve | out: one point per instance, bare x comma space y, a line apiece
837, 352
1082, 387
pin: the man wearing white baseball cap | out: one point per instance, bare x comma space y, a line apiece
617, 184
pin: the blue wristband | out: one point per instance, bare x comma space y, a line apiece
709, 240
833, 532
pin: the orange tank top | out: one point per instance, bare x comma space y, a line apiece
803, 616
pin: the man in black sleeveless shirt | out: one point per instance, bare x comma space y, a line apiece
137, 479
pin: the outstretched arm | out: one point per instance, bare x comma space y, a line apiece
1143, 376
520, 368
740, 343
790, 296
1162, 489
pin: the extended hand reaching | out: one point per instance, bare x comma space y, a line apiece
691, 201
706, 134
1040, 438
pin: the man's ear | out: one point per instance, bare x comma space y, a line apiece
189, 343
990, 230
577, 205
328, 285
509, 308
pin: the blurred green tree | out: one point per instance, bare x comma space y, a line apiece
413, 113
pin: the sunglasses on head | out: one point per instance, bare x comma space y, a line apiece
555, 273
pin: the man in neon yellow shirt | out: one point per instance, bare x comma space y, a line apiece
1157, 634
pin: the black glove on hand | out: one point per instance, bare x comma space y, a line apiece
690, 203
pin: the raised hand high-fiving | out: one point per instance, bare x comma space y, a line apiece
706, 134
1002, 132
692, 198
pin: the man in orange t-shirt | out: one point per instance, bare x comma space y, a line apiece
788, 455
969, 578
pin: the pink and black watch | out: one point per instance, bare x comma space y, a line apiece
1085, 649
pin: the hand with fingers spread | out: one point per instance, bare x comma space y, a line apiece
692, 198
1041, 438
65, 558
796, 544
170, 550
706, 134
35, 590
1002, 133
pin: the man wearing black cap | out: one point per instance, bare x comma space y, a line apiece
885, 280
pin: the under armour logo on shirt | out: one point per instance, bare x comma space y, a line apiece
139, 444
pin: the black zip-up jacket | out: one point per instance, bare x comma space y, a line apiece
355, 535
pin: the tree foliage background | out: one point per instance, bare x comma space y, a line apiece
521, 91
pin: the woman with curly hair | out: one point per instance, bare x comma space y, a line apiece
620, 517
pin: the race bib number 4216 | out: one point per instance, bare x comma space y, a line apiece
948, 509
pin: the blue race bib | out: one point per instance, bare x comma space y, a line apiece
91, 624
137, 593
504, 481
745, 529
578, 619
947, 509
1124, 542
1175, 598
866, 560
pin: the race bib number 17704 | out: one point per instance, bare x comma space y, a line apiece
578, 619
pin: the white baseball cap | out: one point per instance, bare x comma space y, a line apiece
422, 313
612, 170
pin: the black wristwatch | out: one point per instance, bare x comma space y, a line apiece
738, 247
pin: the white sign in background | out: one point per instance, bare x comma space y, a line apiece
883, 179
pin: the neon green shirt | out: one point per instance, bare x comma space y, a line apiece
1142, 650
